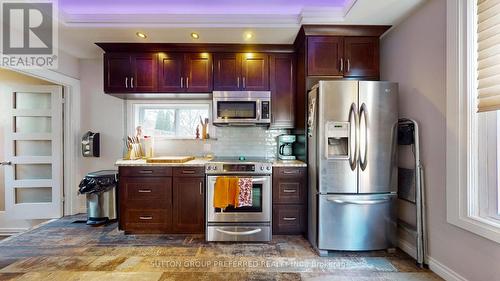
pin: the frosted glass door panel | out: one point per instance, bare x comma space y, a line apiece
32, 100
33, 195
33, 171
33, 124
33, 147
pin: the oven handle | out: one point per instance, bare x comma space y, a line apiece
258, 180
237, 233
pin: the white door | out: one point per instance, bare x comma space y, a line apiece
33, 152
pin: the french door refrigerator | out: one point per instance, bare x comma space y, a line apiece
352, 142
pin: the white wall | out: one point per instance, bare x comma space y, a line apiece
414, 54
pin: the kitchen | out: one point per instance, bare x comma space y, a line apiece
300, 119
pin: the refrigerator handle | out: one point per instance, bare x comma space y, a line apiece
353, 135
363, 161
359, 202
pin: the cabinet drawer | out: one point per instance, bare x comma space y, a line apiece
145, 193
289, 219
145, 171
289, 191
147, 221
189, 171
289, 172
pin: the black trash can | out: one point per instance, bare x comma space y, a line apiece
100, 190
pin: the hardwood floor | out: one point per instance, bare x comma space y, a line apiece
63, 250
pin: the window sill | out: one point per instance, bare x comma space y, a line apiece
184, 139
487, 228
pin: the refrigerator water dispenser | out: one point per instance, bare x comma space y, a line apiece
337, 140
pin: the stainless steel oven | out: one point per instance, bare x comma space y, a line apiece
241, 108
249, 223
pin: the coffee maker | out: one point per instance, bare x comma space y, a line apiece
285, 147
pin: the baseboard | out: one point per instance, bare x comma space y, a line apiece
408, 248
11, 231
443, 271
440, 269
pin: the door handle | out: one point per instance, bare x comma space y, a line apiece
258, 180
126, 82
348, 65
5, 163
201, 188
187, 82
182, 82
353, 156
238, 82
359, 202
237, 233
363, 161
131, 82
244, 82
341, 64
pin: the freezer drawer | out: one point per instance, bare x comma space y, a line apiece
248, 232
356, 222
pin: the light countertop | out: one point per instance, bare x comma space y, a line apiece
201, 162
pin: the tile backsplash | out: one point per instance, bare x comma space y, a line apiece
230, 141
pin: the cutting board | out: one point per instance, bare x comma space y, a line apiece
170, 159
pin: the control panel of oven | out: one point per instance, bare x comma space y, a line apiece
239, 168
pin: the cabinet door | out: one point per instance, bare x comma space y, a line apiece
361, 57
255, 72
198, 73
170, 72
227, 73
189, 205
324, 56
282, 80
144, 72
117, 73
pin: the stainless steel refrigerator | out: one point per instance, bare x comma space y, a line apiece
352, 157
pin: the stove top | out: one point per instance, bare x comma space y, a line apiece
239, 165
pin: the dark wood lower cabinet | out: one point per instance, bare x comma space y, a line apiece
289, 200
189, 205
151, 200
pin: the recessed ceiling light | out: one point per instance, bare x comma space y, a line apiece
141, 35
195, 35
248, 35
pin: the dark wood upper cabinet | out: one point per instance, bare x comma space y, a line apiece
325, 56
227, 73
198, 72
170, 72
144, 69
361, 56
188, 205
117, 72
125, 73
282, 82
255, 72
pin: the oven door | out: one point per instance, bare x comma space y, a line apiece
260, 211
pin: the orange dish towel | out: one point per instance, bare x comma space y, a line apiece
226, 192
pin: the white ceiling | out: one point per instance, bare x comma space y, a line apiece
272, 22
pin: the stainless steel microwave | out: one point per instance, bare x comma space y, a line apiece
241, 108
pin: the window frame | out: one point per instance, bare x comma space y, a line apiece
130, 115
463, 185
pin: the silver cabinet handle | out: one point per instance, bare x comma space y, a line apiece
348, 65
237, 233
126, 82
201, 188
353, 155
291, 172
131, 82
146, 218
244, 82
238, 82
289, 190
145, 172
341, 64
188, 172
187, 82
6, 163
182, 82
363, 161
359, 202
144, 190
289, 218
